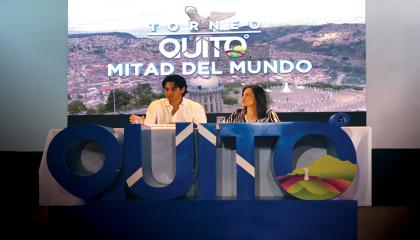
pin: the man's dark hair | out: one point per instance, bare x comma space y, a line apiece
261, 99
178, 80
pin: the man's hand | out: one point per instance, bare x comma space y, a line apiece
134, 119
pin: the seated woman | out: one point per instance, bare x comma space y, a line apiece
255, 107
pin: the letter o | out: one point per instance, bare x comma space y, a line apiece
85, 187
229, 40
173, 27
306, 63
254, 25
169, 54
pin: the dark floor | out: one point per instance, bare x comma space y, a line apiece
387, 222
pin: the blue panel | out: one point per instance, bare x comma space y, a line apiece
207, 165
286, 219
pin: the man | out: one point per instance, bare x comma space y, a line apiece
174, 108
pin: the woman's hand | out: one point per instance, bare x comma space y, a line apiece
134, 119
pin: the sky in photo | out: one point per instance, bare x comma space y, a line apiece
135, 16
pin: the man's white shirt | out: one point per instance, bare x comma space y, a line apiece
159, 112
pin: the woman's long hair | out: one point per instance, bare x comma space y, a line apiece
261, 99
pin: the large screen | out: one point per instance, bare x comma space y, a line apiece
308, 55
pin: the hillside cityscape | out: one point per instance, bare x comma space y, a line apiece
337, 81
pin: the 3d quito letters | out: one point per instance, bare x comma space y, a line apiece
123, 170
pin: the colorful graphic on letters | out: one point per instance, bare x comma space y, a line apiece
325, 178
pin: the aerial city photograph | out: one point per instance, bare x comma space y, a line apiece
315, 63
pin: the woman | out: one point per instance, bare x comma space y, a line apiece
255, 107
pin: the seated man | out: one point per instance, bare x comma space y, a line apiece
174, 108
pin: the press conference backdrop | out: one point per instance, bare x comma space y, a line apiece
309, 56
33, 72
